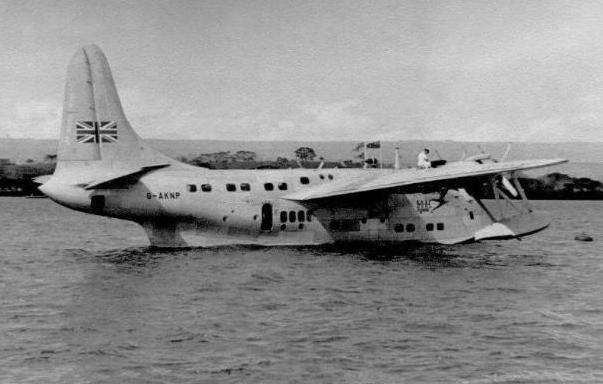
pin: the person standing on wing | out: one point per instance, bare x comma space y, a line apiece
423, 159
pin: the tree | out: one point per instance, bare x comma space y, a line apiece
245, 156
305, 153
282, 162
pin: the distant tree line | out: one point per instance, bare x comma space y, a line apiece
553, 186
17, 179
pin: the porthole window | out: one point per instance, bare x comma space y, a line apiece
282, 186
330, 177
399, 228
304, 180
429, 226
301, 216
292, 216
206, 187
191, 187
231, 187
269, 186
245, 187
283, 216
322, 177
410, 227
440, 226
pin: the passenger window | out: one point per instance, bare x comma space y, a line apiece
304, 180
292, 216
191, 187
245, 187
471, 215
410, 227
282, 186
334, 225
283, 216
440, 226
429, 226
301, 216
206, 187
399, 228
269, 186
231, 187
309, 216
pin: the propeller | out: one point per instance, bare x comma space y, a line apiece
484, 157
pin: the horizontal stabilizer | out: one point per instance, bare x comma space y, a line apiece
41, 179
124, 180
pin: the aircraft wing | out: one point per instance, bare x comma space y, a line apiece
123, 180
417, 180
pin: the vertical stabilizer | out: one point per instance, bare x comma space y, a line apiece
94, 127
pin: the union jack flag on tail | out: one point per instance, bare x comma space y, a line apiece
96, 131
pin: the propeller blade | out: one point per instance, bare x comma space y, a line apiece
509, 187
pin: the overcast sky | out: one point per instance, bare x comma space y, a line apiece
316, 70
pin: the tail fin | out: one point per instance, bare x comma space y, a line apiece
94, 127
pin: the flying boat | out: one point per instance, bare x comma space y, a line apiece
105, 168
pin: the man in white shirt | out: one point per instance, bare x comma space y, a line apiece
423, 159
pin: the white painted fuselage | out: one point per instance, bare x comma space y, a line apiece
201, 207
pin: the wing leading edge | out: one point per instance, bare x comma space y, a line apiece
414, 180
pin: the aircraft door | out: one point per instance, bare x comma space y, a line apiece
266, 217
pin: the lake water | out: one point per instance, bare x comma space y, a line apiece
84, 300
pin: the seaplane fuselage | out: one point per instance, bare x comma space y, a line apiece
105, 168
